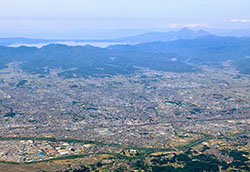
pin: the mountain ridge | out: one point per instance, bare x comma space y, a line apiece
184, 33
172, 56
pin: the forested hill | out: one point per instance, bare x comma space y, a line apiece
166, 56
203, 50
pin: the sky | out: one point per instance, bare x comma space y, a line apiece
86, 19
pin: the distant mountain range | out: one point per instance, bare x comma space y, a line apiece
19, 40
173, 56
143, 38
165, 36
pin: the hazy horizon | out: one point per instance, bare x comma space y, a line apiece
115, 18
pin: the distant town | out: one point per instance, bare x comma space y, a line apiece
147, 114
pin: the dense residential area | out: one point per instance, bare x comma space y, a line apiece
124, 86
151, 115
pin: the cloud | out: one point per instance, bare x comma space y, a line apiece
176, 25
240, 20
